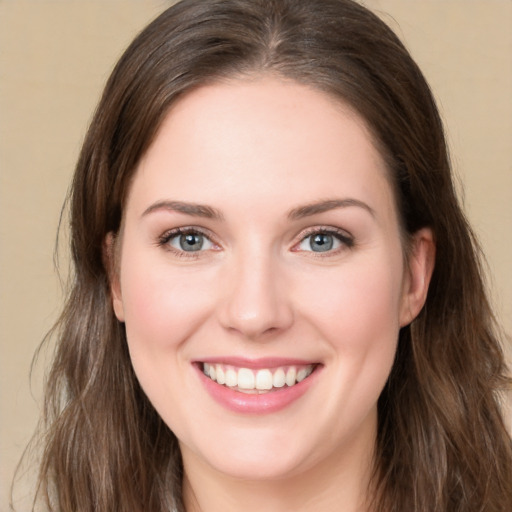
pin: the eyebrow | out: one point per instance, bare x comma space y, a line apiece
196, 210
208, 212
327, 205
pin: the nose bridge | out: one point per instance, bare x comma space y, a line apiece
256, 301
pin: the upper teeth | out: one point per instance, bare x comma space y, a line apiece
247, 380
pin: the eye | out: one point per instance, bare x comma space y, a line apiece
319, 242
322, 241
189, 240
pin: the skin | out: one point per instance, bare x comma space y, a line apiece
256, 150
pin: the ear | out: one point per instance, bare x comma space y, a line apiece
420, 266
110, 260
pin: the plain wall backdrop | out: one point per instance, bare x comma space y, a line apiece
55, 56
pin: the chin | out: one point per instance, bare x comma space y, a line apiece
257, 468
254, 459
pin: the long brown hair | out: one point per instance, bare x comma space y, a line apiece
442, 444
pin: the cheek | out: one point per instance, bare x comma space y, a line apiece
358, 299
162, 306
357, 314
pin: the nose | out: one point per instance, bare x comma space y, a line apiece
256, 298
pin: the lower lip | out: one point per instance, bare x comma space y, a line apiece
263, 403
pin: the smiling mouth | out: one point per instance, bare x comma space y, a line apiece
264, 380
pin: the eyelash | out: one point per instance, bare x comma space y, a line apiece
165, 238
341, 236
345, 239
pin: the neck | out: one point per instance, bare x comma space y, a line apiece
342, 481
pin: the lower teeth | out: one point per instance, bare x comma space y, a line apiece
254, 391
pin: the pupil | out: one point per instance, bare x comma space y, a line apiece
191, 242
322, 243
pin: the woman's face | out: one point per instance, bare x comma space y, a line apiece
260, 244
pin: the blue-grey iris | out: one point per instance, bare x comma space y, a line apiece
321, 242
191, 242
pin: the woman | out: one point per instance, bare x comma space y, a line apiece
277, 300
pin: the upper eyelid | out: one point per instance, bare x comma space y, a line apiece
324, 229
169, 233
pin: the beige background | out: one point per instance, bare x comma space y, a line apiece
54, 59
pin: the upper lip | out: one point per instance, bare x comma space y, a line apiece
255, 364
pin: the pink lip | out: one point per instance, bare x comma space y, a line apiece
256, 404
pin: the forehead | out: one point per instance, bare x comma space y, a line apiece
260, 137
